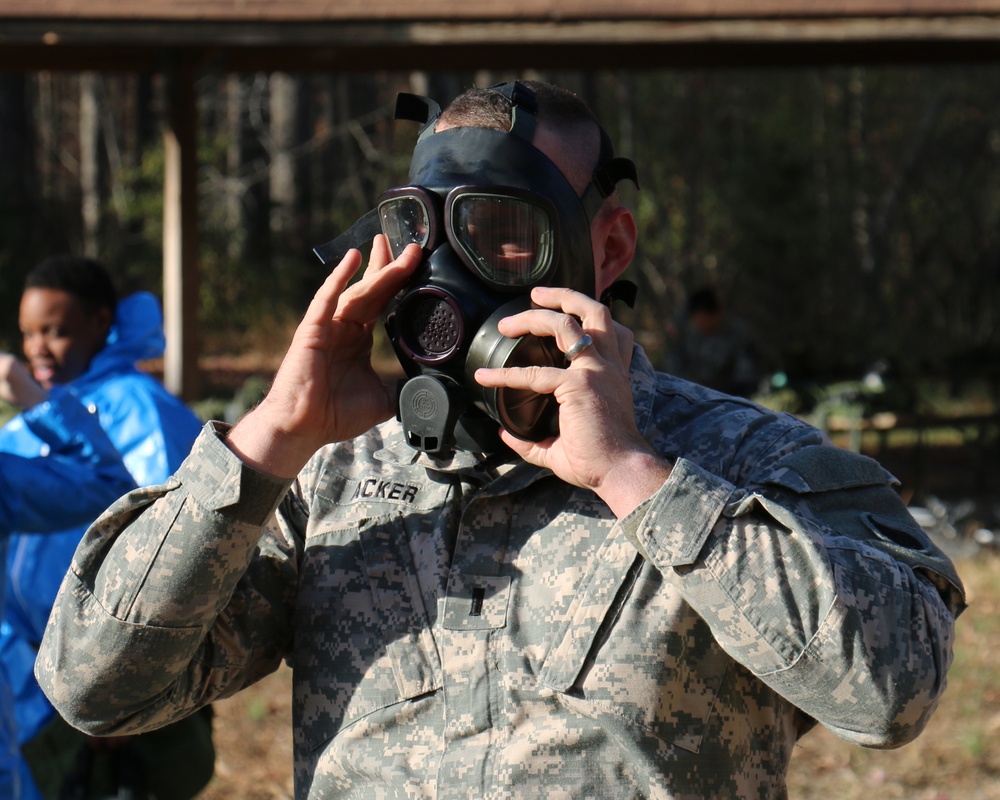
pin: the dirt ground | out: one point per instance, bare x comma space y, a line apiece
954, 759
253, 740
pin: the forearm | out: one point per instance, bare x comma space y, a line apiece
80, 477
159, 613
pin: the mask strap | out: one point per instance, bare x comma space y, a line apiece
606, 178
417, 108
524, 111
358, 235
623, 290
412, 107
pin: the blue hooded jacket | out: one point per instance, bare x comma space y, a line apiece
151, 429
81, 475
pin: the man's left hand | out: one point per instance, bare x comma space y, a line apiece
599, 446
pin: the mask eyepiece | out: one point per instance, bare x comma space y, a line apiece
409, 215
506, 235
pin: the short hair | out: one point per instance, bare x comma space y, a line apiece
486, 108
704, 301
557, 107
83, 278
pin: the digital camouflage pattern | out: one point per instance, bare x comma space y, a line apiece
481, 630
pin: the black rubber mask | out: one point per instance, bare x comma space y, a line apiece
494, 217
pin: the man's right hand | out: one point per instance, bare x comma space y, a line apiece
326, 389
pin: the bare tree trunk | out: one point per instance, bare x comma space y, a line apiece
255, 160
350, 189
46, 124
859, 156
284, 113
15, 138
235, 189
90, 203
324, 170
18, 211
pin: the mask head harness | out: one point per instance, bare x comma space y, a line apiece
494, 217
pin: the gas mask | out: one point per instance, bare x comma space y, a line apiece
494, 217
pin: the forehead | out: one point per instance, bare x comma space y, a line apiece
50, 305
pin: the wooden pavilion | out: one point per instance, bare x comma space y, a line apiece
181, 38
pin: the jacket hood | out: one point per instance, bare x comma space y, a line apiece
136, 335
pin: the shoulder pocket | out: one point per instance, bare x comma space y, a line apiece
853, 496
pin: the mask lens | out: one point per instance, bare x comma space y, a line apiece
405, 220
508, 240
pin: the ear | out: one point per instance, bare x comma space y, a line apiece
613, 237
103, 318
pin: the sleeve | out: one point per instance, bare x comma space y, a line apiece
179, 595
818, 581
80, 477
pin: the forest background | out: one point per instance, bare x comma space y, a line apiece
846, 214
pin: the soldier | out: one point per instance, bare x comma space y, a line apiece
710, 346
638, 588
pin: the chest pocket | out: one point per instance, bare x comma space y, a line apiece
633, 656
363, 640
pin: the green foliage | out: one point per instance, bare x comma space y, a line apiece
6, 412
135, 250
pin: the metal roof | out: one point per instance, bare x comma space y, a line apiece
449, 10
305, 35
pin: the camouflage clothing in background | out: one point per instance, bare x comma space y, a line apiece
727, 359
475, 630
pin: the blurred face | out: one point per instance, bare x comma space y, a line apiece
706, 322
59, 337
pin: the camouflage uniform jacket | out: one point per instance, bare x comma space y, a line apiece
466, 631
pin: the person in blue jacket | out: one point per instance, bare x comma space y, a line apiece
79, 474
76, 332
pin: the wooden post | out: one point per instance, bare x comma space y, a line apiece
180, 232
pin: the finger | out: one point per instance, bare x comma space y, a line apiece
542, 380
626, 339
567, 316
533, 452
324, 302
564, 328
570, 336
380, 255
364, 301
592, 314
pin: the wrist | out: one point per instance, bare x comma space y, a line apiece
633, 479
268, 448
